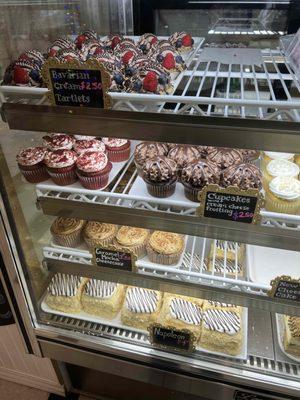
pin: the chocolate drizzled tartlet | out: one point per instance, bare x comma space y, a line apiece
224, 157
197, 175
244, 176
160, 175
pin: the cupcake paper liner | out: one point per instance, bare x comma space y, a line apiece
161, 190
70, 240
92, 243
191, 193
115, 155
139, 250
36, 175
93, 182
165, 259
275, 204
63, 178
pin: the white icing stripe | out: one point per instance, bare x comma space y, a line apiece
230, 266
102, 289
220, 244
196, 262
218, 304
222, 321
139, 300
185, 311
64, 285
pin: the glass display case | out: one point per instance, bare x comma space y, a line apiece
169, 256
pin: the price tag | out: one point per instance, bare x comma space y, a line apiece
284, 287
111, 257
77, 84
171, 338
231, 204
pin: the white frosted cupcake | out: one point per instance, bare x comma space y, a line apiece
280, 167
275, 155
283, 195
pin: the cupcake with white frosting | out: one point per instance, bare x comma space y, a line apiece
280, 167
118, 150
92, 169
283, 195
275, 155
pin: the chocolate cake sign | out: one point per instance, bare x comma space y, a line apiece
112, 257
284, 287
231, 204
171, 338
77, 84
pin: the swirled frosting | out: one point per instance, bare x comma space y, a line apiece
185, 311
139, 300
285, 187
31, 155
282, 167
245, 176
66, 225
224, 157
58, 141
200, 173
131, 236
60, 158
64, 285
99, 230
184, 154
92, 161
223, 321
166, 242
275, 155
146, 150
114, 142
160, 169
100, 289
81, 146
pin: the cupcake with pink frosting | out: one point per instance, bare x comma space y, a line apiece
118, 150
81, 146
61, 166
31, 164
93, 169
58, 141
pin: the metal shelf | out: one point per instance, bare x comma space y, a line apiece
119, 203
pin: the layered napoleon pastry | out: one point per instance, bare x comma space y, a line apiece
222, 330
182, 312
102, 298
141, 307
291, 337
232, 249
64, 293
230, 267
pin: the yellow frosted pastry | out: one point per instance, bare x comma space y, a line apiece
64, 293
291, 336
165, 247
99, 234
231, 267
133, 239
141, 307
102, 298
67, 231
232, 249
182, 312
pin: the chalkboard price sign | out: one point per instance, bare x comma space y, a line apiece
77, 84
110, 257
231, 204
284, 287
171, 338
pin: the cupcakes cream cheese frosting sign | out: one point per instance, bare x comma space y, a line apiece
77, 84
112, 257
231, 204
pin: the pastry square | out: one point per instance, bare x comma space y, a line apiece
182, 312
222, 331
291, 336
230, 268
64, 293
210, 304
232, 249
102, 298
141, 307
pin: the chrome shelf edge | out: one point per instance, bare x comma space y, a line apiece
163, 284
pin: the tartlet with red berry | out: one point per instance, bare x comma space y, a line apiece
118, 150
31, 164
182, 41
93, 169
146, 42
151, 79
170, 60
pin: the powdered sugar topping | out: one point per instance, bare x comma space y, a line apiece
31, 155
92, 161
58, 141
114, 142
81, 146
60, 158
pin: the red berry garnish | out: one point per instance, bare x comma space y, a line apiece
187, 40
99, 50
79, 41
127, 56
154, 40
52, 53
20, 75
169, 61
150, 82
115, 41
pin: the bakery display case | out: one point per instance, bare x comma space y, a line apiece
150, 194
